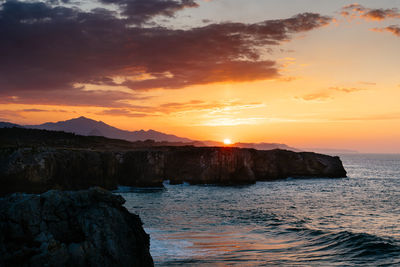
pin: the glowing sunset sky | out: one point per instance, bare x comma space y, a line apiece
307, 73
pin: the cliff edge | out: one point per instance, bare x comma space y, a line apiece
70, 162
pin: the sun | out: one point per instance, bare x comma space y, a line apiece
227, 141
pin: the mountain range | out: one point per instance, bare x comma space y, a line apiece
88, 127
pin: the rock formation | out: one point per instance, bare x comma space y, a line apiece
37, 170
65, 228
34, 161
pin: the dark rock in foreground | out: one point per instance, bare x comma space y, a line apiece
62, 228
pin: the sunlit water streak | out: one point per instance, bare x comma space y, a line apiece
352, 221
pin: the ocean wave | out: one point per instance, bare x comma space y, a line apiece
348, 244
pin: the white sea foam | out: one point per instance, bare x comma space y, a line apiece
164, 247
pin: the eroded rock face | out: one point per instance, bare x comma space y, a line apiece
40, 169
227, 166
65, 228
279, 164
36, 170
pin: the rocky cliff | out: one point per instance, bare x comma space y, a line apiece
38, 169
65, 228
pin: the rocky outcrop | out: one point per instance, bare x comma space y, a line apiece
39, 169
279, 164
64, 228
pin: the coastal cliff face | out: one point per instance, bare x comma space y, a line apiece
209, 166
279, 164
65, 228
42, 168
36, 170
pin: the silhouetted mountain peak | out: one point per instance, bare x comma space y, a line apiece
86, 126
82, 118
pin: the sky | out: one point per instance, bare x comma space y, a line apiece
307, 73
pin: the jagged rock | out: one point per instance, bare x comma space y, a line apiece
65, 228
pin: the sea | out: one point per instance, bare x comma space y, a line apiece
352, 221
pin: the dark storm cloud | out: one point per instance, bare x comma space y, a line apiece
46, 50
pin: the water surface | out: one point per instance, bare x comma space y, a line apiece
352, 221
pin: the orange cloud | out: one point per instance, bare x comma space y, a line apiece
394, 29
356, 10
320, 96
327, 94
213, 108
346, 89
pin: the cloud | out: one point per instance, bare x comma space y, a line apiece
33, 110
228, 107
69, 97
394, 29
346, 89
42, 110
140, 11
319, 96
123, 113
47, 49
357, 10
328, 94
213, 109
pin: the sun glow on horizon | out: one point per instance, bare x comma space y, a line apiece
227, 141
